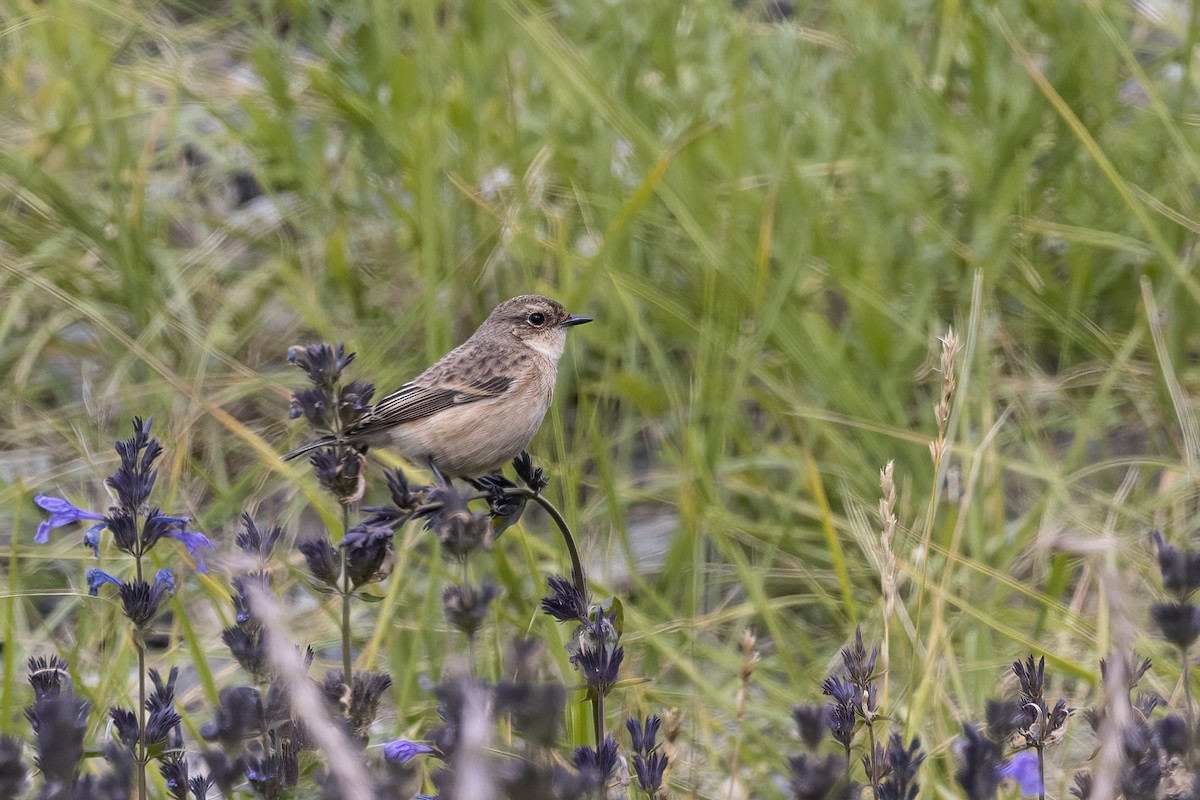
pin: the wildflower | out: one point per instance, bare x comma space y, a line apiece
312, 405
340, 471
48, 676
247, 645
1032, 677
194, 541
323, 363
163, 719
59, 723
1142, 766
133, 481
1179, 623
140, 600
902, 763
322, 561
61, 513
648, 764
174, 769
244, 585
366, 548
1003, 717
125, 723
1135, 669
239, 716
811, 722
401, 751
253, 541
1180, 570
599, 762
1042, 726
818, 778
403, 496
641, 737
1023, 769
460, 532
1172, 732
406, 499
532, 476
565, 602
505, 509
841, 725
271, 775
979, 764
597, 655
225, 772
860, 667
12, 771
360, 706
843, 693
466, 607
536, 709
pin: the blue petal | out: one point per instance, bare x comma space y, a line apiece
97, 578
193, 541
168, 577
91, 537
1023, 768
400, 751
61, 513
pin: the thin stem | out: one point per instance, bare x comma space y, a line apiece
577, 572
141, 652
141, 759
598, 718
1187, 693
568, 538
347, 666
1041, 774
874, 776
580, 578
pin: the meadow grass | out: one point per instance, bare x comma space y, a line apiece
773, 222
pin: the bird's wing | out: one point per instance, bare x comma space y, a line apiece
414, 401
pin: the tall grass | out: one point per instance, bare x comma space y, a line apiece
772, 222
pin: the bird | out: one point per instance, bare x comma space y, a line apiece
478, 406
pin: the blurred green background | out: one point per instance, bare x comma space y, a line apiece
773, 211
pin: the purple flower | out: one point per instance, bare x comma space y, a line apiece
167, 578
97, 577
193, 541
1023, 768
401, 751
61, 513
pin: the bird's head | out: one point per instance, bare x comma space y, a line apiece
538, 322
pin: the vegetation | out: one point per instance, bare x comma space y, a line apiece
777, 216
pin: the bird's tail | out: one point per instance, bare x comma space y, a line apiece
328, 441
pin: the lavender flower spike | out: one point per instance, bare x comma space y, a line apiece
61, 513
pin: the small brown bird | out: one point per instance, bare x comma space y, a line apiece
480, 404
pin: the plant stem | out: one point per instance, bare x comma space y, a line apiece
141, 652
1041, 775
577, 572
347, 665
580, 578
1187, 693
873, 761
568, 538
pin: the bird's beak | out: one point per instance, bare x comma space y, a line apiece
575, 320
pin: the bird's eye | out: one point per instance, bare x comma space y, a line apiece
537, 319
